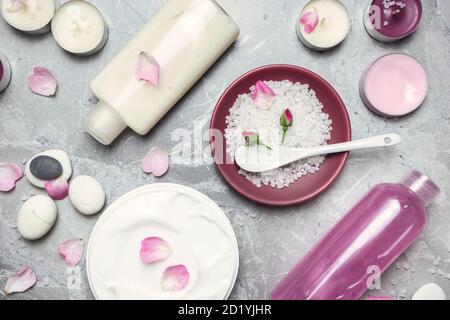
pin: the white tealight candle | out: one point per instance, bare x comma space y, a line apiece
323, 24
31, 16
79, 27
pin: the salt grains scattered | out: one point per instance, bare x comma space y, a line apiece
403, 293
311, 127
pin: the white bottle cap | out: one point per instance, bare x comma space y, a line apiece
104, 123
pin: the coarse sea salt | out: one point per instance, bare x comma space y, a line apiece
311, 127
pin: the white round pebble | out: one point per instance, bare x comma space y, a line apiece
87, 195
36, 217
430, 291
59, 155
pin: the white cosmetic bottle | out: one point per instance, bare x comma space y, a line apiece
185, 37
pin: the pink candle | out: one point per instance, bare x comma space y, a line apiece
394, 85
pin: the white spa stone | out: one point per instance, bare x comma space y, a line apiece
36, 217
87, 195
59, 155
430, 291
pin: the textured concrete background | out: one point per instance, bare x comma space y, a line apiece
270, 240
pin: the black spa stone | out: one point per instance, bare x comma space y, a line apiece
46, 168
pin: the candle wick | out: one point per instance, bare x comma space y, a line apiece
322, 21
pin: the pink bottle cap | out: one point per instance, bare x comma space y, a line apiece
422, 186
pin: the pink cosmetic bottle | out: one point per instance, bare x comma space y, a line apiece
363, 244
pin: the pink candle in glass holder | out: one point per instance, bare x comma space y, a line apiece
394, 85
392, 20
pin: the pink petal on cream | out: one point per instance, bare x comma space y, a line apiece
156, 161
154, 249
147, 68
72, 251
21, 281
309, 20
42, 82
10, 173
175, 278
57, 189
263, 96
16, 5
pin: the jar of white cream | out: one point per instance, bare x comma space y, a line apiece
200, 237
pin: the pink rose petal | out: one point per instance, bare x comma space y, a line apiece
57, 189
175, 278
21, 281
310, 20
154, 249
147, 68
156, 161
16, 5
263, 96
42, 82
10, 173
72, 251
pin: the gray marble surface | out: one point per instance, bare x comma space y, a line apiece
270, 240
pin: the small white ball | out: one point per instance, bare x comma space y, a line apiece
87, 195
36, 217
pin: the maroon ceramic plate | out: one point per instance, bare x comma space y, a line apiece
309, 186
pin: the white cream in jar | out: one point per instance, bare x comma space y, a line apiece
199, 233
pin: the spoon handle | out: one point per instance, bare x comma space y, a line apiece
386, 140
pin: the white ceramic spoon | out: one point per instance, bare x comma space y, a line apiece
261, 159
